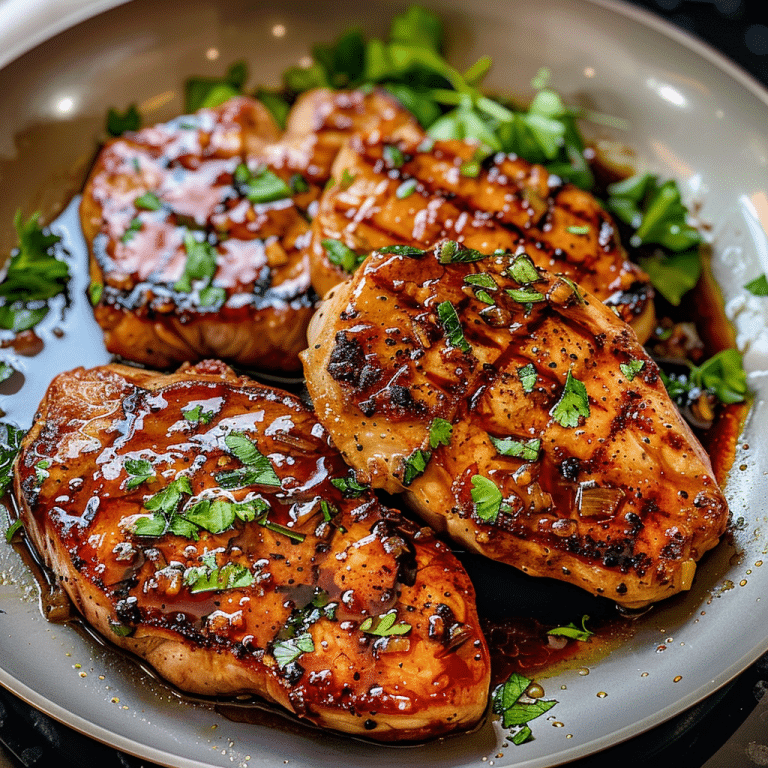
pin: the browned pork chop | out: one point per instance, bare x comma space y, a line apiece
195, 247
204, 522
519, 414
402, 188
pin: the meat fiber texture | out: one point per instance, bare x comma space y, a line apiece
518, 414
204, 522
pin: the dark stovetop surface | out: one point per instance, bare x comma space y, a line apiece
30, 738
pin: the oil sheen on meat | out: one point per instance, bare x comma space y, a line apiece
204, 522
517, 413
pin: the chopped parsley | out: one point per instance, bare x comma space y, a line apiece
261, 185
440, 431
523, 270
10, 442
393, 156
349, 487
415, 465
195, 414
6, 371
632, 368
119, 123
256, 470
527, 375
452, 252
528, 450
134, 226
200, 263
41, 471
525, 295
454, 334
139, 471
384, 626
149, 201
406, 189
572, 405
403, 250
209, 577
342, 255
722, 375
288, 651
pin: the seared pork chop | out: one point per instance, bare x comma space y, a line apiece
205, 523
517, 413
406, 189
196, 245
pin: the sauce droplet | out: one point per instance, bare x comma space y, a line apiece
601, 694
678, 679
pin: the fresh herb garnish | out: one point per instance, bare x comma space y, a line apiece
673, 275
41, 471
12, 530
487, 498
95, 291
722, 375
6, 371
481, 280
342, 255
523, 270
200, 263
209, 577
440, 431
134, 226
139, 471
403, 250
572, 405
120, 122
516, 710
195, 414
406, 189
393, 156
261, 185
257, 469
528, 450
528, 377
758, 286
525, 295
582, 634
452, 252
454, 334
288, 651
349, 487
384, 626
149, 201
415, 465
164, 505
578, 230
10, 442
33, 274
203, 92
632, 368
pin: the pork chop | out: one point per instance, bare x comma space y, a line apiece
205, 523
406, 189
517, 413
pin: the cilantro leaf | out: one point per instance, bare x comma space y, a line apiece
415, 465
10, 442
452, 252
200, 263
195, 414
523, 270
260, 186
440, 431
349, 487
506, 702
487, 498
572, 405
211, 578
258, 469
288, 651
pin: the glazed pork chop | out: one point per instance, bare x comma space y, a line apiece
410, 190
516, 412
205, 523
196, 245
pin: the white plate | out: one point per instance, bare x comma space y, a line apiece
690, 115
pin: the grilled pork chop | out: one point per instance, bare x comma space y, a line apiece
517, 413
204, 522
402, 188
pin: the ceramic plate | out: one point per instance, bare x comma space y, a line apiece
686, 112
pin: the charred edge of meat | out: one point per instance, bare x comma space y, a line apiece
348, 363
612, 554
635, 298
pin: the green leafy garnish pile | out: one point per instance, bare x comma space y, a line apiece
34, 275
722, 375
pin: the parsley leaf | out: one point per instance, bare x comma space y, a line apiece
195, 414
10, 442
349, 487
758, 286
201, 92
528, 377
528, 450
506, 701
582, 634
452, 252
261, 185
211, 578
440, 431
200, 263
487, 498
454, 334
523, 270
342, 255
384, 626
288, 651
258, 468
632, 368
572, 405
139, 471
120, 122
415, 465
